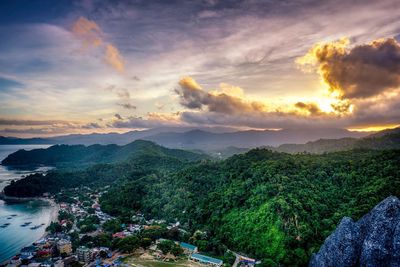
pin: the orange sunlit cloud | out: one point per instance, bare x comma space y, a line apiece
90, 33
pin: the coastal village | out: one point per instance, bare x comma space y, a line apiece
81, 234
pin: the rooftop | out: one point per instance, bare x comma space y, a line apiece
188, 246
205, 259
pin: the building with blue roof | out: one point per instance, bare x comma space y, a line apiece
188, 248
206, 260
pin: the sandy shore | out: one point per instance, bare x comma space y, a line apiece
55, 208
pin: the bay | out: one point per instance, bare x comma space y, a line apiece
14, 236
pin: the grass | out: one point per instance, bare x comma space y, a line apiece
133, 261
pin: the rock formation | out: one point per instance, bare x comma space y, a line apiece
374, 240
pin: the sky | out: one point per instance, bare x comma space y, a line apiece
113, 66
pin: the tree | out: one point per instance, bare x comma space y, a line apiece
127, 244
168, 246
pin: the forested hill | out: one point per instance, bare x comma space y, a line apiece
67, 155
389, 139
273, 206
276, 207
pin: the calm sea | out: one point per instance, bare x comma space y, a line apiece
14, 236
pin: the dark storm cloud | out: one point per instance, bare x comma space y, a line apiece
194, 97
360, 72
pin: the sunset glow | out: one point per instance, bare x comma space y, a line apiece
104, 67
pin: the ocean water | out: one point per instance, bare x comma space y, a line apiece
14, 236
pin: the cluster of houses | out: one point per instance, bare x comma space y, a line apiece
80, 211
56, 251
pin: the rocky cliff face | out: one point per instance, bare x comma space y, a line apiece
374, 240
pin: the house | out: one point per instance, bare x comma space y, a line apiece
59, 263
69, 261
44, 253
188, 248
135, 228
119, 235
84, 254
206, 260
15, 261
64, 246
29, 251
246, 261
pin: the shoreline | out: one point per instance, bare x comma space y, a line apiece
55, 208
53, 216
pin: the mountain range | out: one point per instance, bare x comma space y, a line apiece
196, 138
224, 142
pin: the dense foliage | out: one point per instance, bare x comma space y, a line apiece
66, 155
389, 139
273, 206
144, 159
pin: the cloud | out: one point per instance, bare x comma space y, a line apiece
124, 96
266, 120
120, 92
127, 105
19, 122
310, 108
360, 72
113, 57
88, 32
189, 83
152, 120
192, 96
30, 131
29, 128
91, 35
92, 125
118, 116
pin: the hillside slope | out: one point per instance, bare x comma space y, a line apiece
276, 207
388, 139
272, 206
60, 155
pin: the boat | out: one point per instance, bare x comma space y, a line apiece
35, 227
4, 225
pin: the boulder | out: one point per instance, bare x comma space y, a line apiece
374, 240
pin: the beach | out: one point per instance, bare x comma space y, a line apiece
55, 208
